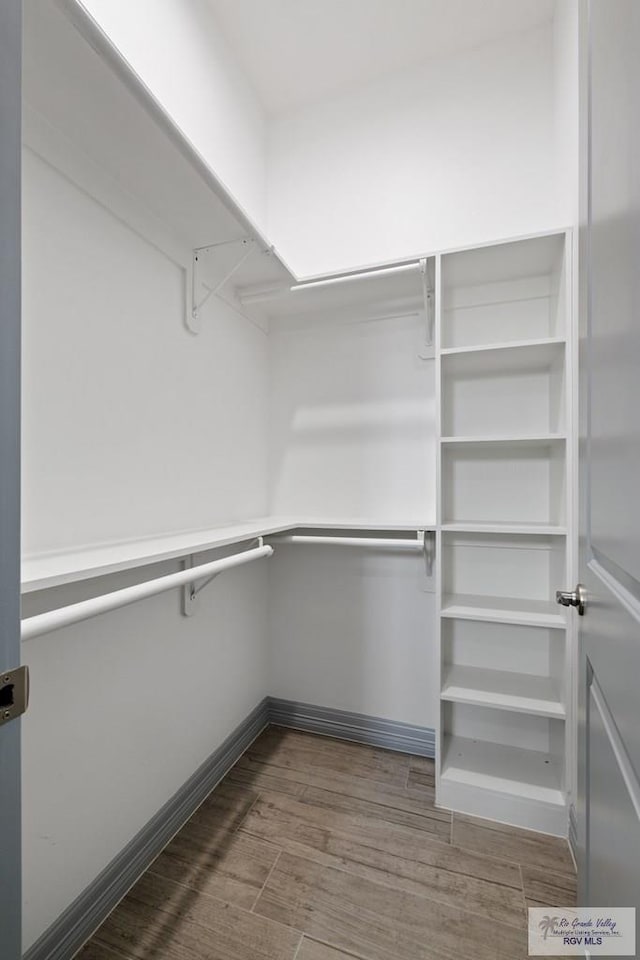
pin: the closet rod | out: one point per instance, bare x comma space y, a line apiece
362, 275
416, 546
75, 612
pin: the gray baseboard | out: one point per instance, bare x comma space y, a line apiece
83, 917
80, 920
374, 731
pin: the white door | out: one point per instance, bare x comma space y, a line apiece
609, 632
10, 893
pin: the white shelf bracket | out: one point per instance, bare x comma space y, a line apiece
428, 539
247, 247
190, 591
428, 302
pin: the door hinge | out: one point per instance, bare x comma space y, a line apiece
14, 694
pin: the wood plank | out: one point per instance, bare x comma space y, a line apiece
160, 920
414, 799
258, 777
98, 951
430, 819
225, 808
512, 843
314, 950
232, 866
293, 749
548, 888
378, 922
396, 856
422, 774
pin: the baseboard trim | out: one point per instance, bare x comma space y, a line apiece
375, 731
83, 917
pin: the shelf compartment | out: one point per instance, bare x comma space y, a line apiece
504, 292
522, 656
504, 388
504, 751
531, 774
523, 568
518, 692
512, 610
518, 484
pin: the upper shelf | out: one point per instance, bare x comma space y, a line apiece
101, 107
42, 571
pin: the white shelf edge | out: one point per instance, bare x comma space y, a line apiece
502, 345
46, 570
507, 763
516, 440
488, 609
524, 529
480, 687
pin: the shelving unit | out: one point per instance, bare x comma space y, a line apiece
504, 510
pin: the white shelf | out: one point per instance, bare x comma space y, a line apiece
540, 342
113, 121
42, 571
524, 529
367, 524
530, 613
515, 357
522, 441
522, 773
519, 692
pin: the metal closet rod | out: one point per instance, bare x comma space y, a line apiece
417, 546
75, 612
355, 275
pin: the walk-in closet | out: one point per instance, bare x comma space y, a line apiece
300, 421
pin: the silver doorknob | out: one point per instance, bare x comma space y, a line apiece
573, 598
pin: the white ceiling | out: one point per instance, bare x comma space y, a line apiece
300, 51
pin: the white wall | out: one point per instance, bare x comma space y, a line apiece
457, 152
352, 436
352, 421
354, 630
566, 106
178, 50
131, 426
